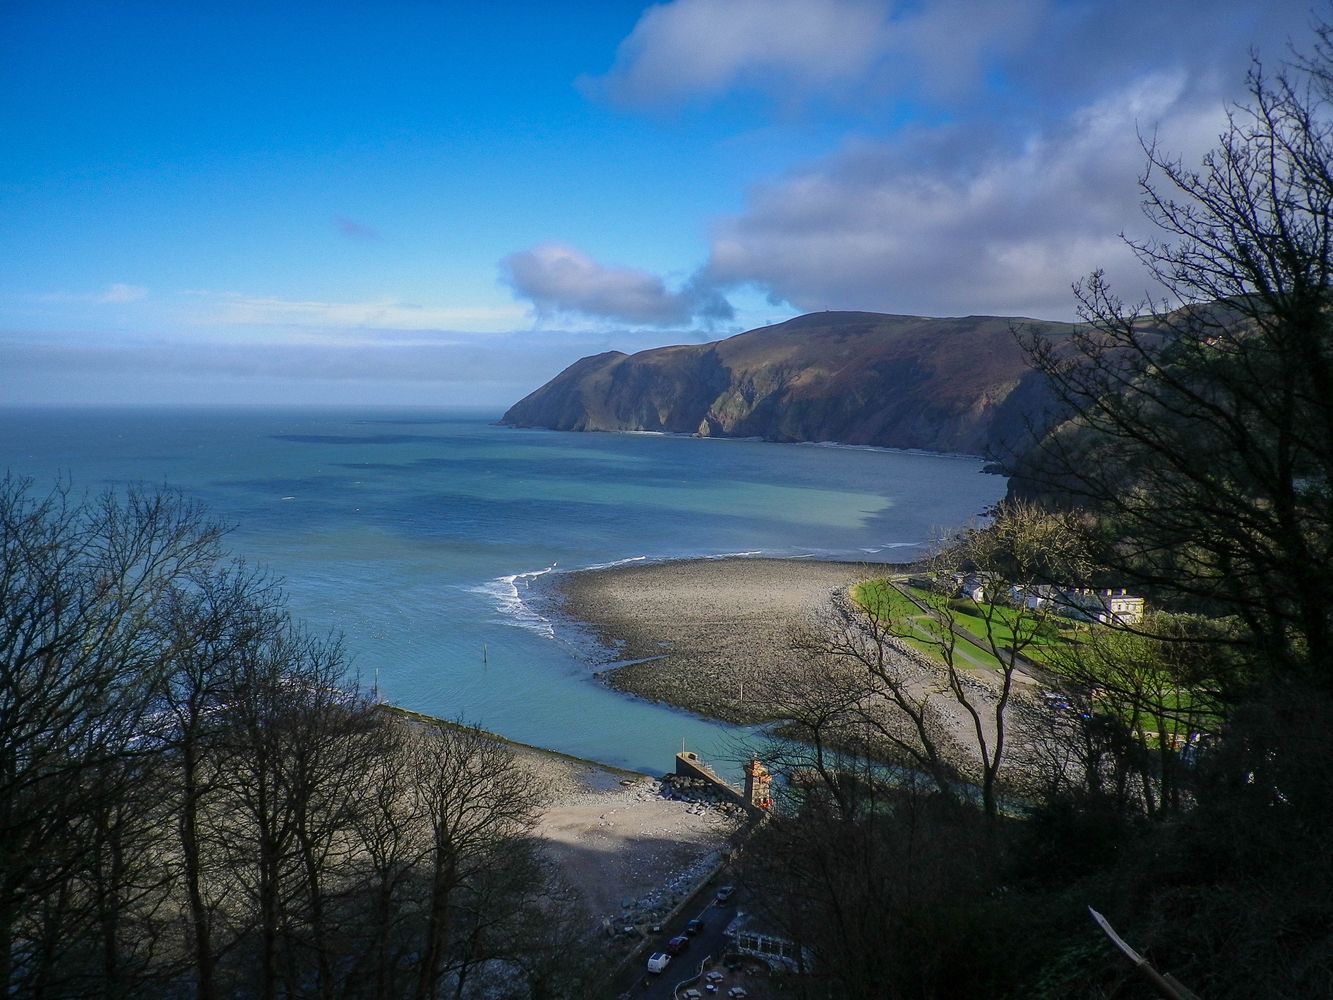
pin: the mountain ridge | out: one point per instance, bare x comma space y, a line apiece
958, 384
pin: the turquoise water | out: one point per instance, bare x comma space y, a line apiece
416, 534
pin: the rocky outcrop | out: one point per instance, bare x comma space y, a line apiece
956, 385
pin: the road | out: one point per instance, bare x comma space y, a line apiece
708, 943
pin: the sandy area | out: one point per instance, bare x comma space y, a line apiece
705, 626
631, 852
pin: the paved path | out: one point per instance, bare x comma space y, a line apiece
1034, 671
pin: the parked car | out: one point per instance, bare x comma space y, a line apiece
694, 927
724, 894
677, 944
658, 961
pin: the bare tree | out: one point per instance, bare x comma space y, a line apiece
209, 624
393, 843
1203, 429
81, 665
290, 735
1152, 693
974, 638
476, 801
177, 755
861, 695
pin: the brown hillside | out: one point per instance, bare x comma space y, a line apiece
958, 385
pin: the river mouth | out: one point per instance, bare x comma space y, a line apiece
391, 537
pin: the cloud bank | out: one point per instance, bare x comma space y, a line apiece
935, 222
992, 152
236, 309
558, 279
691, 48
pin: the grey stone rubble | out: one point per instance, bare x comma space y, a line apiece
639, 916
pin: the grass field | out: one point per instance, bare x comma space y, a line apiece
896, 605
1043, 642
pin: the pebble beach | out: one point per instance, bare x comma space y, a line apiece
690, 633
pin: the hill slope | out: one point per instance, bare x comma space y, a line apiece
957, 385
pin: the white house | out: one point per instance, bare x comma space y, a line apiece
1110, 607
1107, 606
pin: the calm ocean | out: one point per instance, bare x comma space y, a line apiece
416, 532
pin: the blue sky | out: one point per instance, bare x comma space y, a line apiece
446, 203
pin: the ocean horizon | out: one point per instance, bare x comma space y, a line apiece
417, 533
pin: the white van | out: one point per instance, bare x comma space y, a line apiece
657, 961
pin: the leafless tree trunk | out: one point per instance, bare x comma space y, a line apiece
209, 625
81, 666
475, 799
277, 691
1203, 430
391, 832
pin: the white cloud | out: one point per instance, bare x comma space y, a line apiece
689, 47
1017, 171
235, 309
118, 292
954, 228
558, 279
492, 370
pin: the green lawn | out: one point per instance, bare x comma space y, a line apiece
893, 604
1038, 647
904, 618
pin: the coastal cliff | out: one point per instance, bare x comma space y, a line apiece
952, 385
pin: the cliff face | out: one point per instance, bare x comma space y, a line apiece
958, 385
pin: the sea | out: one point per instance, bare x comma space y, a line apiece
422, 536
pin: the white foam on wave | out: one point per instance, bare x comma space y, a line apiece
507, 592
747, 554
891, 545
617, 562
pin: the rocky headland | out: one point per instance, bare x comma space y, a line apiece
958, 385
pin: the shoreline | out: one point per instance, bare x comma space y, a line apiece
690, 633
715, 637
630, 850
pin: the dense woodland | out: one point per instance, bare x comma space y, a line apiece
194, 800
1180, 785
